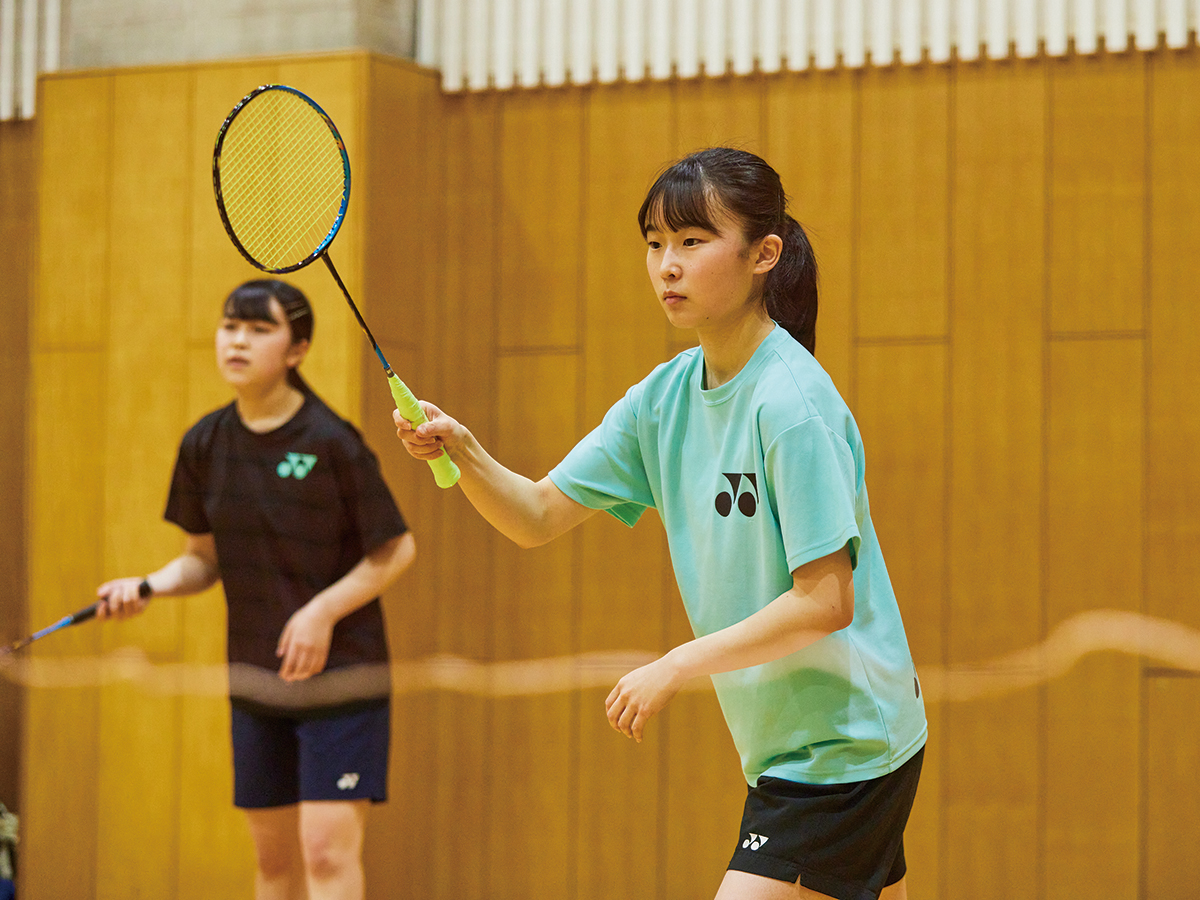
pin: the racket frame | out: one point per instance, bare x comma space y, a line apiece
216, 174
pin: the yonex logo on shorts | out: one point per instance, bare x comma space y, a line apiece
754, 841
297, 464
348, 782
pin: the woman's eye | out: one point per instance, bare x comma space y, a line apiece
691, 242
653, 245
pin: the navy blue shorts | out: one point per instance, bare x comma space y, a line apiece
280, 760
844, 840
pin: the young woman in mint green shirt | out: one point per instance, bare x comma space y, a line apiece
756, 467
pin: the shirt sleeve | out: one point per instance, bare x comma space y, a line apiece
185, 500
812, 476
606, 470
368, 501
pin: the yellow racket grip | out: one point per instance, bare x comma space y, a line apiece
445, 472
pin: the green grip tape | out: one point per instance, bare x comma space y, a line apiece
445, 472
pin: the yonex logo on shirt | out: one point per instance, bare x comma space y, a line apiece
297, 464
754, 841
348, 782
747, 500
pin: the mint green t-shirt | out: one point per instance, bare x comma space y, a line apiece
753, 479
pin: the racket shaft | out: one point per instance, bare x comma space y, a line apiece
445, 472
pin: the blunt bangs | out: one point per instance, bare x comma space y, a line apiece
250, 304
680, 198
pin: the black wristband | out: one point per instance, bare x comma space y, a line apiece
145, 591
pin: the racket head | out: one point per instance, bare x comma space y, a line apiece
281, 177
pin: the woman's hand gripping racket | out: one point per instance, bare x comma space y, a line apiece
282, 180
88, 612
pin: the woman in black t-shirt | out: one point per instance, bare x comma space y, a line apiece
282, 501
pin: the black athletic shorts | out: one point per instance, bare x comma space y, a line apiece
844, 840
279, 760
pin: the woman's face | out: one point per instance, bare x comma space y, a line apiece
706, 278
257, 352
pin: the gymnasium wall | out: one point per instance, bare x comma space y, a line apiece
17, 201
1008, 257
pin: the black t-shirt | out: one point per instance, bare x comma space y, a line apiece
291, 511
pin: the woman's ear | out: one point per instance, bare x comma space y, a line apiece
769, 250
296, 354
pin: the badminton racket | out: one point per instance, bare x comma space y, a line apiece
88, 612
282, 181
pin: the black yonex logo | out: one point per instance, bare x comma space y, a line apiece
754, 841
297, 465
747, 500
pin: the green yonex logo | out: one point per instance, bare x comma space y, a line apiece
297, 464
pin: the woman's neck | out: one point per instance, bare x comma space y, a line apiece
728, 349
263, 411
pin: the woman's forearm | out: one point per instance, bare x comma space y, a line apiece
820, 602
528, 513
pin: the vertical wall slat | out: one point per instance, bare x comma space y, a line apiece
967, 31
771, 37
1092, 718
633, 40
1173, 481
683, 27
580, 53
881, 39
940, 30
909, 31
798, 31
1096, 281
1025, 28
825, 31
904, 215
854, 37
608, 43
997, 312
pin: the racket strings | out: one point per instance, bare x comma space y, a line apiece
283, 179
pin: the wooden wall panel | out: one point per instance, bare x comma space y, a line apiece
533, 755
72, 266
59, 807
998, 188
623, 339
139, 751
1093, 540
1097, 194
901, 412
18, 204
902, 214
811, 143
705, 794
209, 826
718, 112
400, 149
541, 192
1171, 865
1173, 423
465, 301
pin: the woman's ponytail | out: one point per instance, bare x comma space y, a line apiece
790, 292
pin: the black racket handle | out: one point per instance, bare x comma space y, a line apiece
88, 612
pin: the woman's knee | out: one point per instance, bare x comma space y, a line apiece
331, 836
